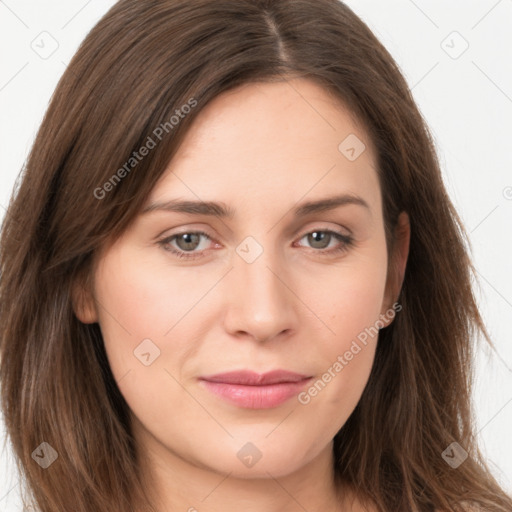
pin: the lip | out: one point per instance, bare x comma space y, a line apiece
252, 390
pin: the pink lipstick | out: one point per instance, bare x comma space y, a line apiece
251, 390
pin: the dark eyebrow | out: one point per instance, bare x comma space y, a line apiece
221, 210
212, 208
329, 203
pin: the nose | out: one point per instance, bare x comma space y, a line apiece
261, 304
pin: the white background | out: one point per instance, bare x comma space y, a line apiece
466, 100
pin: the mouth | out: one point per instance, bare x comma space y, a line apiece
251, 390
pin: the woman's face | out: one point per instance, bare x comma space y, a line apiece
276, 286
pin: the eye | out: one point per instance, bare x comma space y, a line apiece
321, 238
188, 241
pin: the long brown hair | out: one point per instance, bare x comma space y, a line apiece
143, 61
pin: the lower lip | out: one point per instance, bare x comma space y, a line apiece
256, 397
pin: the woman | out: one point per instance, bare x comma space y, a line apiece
240, 282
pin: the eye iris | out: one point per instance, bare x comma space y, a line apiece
187, 238
316, 236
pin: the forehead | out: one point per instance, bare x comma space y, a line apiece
300, 111
265, 143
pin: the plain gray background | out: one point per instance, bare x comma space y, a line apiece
457, 59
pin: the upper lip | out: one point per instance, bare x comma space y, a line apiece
250, 378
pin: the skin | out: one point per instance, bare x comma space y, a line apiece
261, 149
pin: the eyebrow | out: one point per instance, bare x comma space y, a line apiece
221, 210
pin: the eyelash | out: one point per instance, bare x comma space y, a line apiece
346, 239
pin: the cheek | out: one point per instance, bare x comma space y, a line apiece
351, 306
140, 300
356, 303
344, 361
140, 304
137, 296
351, 297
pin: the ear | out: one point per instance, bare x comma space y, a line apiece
83, 301
396, 272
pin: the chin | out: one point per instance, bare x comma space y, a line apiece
257, 459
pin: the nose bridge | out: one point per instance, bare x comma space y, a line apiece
262, 304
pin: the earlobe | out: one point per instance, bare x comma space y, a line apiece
398, 262
83, 303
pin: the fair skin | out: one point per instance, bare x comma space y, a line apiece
262, 150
